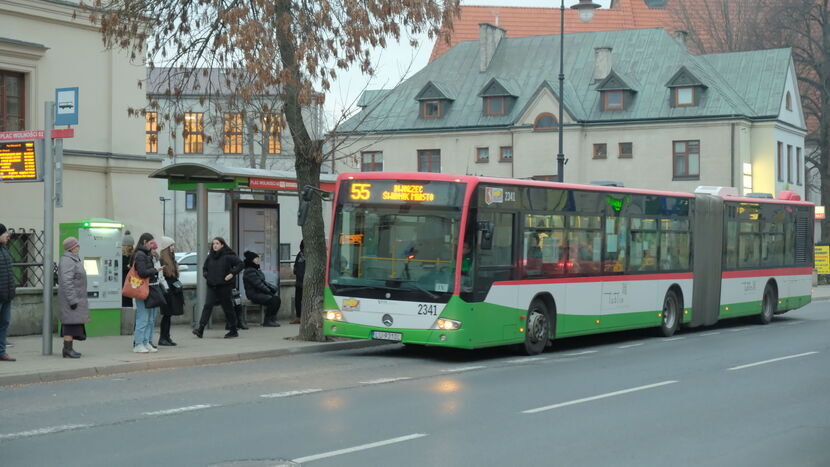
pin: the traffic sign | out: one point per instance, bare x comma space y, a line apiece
35, 134
66, 106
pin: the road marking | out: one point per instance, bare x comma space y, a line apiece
463, 368
526, 360
601, 396
43, 431
669, 339
362, 447
289, 393
793, 323
748, 365
737, 329
629, 345
189, 408
385, 380
713, 333
586, 352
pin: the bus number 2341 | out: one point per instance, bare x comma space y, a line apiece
424, 309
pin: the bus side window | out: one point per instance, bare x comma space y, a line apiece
749, 244
643, 245
731, 244
616, 236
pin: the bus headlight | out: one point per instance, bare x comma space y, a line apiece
333, 315
446, 324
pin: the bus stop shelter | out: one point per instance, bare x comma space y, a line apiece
203, 178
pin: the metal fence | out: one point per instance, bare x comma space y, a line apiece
26, 248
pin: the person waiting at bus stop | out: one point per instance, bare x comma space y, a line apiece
260, 291
220, 268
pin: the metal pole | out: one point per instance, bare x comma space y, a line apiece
201, 247
560, 158
48, 223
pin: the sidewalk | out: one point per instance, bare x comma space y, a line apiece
112, 355
821, 292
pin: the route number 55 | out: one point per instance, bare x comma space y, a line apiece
360, 191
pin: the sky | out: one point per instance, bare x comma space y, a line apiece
400, 60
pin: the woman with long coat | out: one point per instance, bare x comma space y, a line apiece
220, 269
260, 291
174, 296
72, 297
145, 318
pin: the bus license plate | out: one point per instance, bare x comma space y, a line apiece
387, 336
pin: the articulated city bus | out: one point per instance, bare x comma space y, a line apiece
470, 262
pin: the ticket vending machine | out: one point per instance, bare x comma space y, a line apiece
100, 241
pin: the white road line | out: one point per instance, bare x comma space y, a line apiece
629, 345
713, 333
749, 365
189, 408
289, 393
43, 431
601, 396
669, 339
793, 323
463, 368
362, 447
385, 380
525, 360
577, 354
737, 329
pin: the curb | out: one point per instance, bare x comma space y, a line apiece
184, 362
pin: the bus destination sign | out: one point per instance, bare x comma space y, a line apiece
18, 162
403, 191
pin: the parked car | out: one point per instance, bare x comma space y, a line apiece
188, 267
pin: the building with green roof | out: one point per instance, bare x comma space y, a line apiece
639, 108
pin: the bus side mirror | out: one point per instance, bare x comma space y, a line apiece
486, 229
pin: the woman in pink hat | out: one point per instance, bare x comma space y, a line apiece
74, 307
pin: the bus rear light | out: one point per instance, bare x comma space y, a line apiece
447, 324
334, 315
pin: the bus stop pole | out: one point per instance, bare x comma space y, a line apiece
202, 247
48, 224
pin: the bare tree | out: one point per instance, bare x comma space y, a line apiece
293, 46
715, 26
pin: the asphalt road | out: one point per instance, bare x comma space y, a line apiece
733, 395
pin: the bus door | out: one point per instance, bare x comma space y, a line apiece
498, 262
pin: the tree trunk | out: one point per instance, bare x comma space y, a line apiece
307, 161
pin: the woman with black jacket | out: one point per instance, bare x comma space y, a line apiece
259, 291
145, 318
221, 267
174, 297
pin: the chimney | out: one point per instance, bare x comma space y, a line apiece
602, 62
489, 37
682, 37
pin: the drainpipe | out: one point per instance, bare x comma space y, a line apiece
732, 150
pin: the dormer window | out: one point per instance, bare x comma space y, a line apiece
431, 109
545, 121
684, 96
494, 105
789, 102
613, 100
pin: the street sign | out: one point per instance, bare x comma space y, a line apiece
66, 103
35, 134
18, 162
822, 259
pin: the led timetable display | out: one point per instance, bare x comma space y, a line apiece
403, 192
18, 161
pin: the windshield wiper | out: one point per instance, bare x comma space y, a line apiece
414, 284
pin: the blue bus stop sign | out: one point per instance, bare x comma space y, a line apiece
66, 106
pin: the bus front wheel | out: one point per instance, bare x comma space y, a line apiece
670, 315
537, 333
768, 305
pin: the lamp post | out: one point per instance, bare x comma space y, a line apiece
163, 214
586, 13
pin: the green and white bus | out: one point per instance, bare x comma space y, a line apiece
471, 262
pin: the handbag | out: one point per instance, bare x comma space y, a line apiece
237, 297
156, 297
135, 286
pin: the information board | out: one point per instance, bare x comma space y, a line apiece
823, 259
18, 162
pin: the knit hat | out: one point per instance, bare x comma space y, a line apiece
250, 256
128, 239
165, 242
2, 229
70, 243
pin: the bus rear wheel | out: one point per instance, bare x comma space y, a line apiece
537, 332
768, 305
670, 315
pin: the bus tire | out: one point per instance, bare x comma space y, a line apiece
537, 330
671, 314
768, 305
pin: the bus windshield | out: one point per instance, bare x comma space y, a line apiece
385, 246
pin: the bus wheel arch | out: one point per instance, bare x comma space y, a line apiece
769, 302
540, 325
671, 314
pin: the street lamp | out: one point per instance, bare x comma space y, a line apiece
164, 214
586, 13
